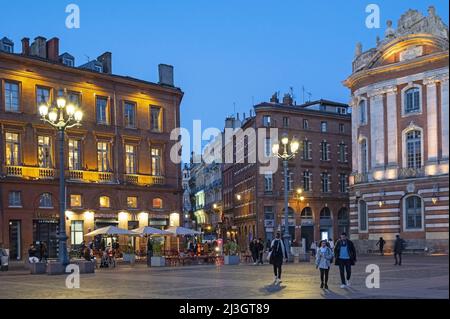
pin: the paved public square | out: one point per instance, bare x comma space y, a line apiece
419, 277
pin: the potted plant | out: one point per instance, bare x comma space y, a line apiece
129, 255
157, 260
231, 253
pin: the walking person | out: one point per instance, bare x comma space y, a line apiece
330, 241
254, 251
43, 252
345, 254
32, 252
323, 261
149, 252
399, 246
260, 247
380, 243
277, 254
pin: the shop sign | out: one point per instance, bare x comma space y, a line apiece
269, 223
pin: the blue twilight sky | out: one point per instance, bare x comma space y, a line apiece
223, 51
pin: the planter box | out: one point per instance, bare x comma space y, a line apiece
304, 258
131, 258
86, 267
231, 260
38, 268
55, 268
158, 261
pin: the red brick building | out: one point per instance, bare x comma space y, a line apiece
400, 136
118, 169
254, 201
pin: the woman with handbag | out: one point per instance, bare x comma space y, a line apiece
277, 253
324, 259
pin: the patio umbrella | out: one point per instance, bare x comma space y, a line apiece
147, 230
110, 230
181, 231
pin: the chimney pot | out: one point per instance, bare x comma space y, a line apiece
53, 49
26, 46
165, 74
287, 99
106, 60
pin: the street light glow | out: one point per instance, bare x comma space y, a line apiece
61, 102
275, 148
43, 110
294, 146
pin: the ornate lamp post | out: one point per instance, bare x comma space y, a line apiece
286, 156
61, 115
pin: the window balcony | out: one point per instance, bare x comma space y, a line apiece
91, 176
411, 172
144, 180
27, 172
360, 178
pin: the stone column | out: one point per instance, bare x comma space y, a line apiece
391, 139
444, 116
432, 120
376, 128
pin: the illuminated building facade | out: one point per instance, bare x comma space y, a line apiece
400, 140
118, 167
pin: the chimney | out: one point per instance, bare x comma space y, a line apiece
53, 49
106, 60
39, 47
274, 98
287, 99
26, 46
165, 74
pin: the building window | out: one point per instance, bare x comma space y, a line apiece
307, 181
285, 121
98, 68
12, 149
325, 213
363, 149
268, 182
129, 115
75, 200
341, 128
343, 183
130, 159
103, 156
324, 151
362, 112
15, 199
305, 124
266, 120
362, 207
44, 151
132, 202
306, 213
12, 100
45, 201
307, 150
268, 213
267, 147
342, 152
323, 127
413, 212
68, 62
8, 48
156, 161
290, 181
412, 100
74, 154
157, 203
155, 118
104, 202
326, 182
74, 98
76, 232
42, 95
414, 149
102, 110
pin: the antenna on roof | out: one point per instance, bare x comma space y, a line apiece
309, 96
234, 109
253, 100
87, 57
303, 93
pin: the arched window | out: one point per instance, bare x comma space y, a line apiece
157, 203
45, 200
362, 112
104, 202
412, 100
325, 213
413, 212
343, 220
306, 213
362, 212
414, 149
343, 214
363, 150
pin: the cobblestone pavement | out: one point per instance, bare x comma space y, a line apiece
418, 277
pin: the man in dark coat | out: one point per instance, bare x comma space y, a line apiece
253, 247
398, 249
380, 245
345, 254
260, 247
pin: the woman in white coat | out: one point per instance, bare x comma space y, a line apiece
324, 258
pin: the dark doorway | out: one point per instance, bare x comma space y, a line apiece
307, 232
15, 240
343, 221
46, 230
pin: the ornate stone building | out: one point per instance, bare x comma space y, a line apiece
400, 131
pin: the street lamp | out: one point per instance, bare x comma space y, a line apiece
286, 156
61, 115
